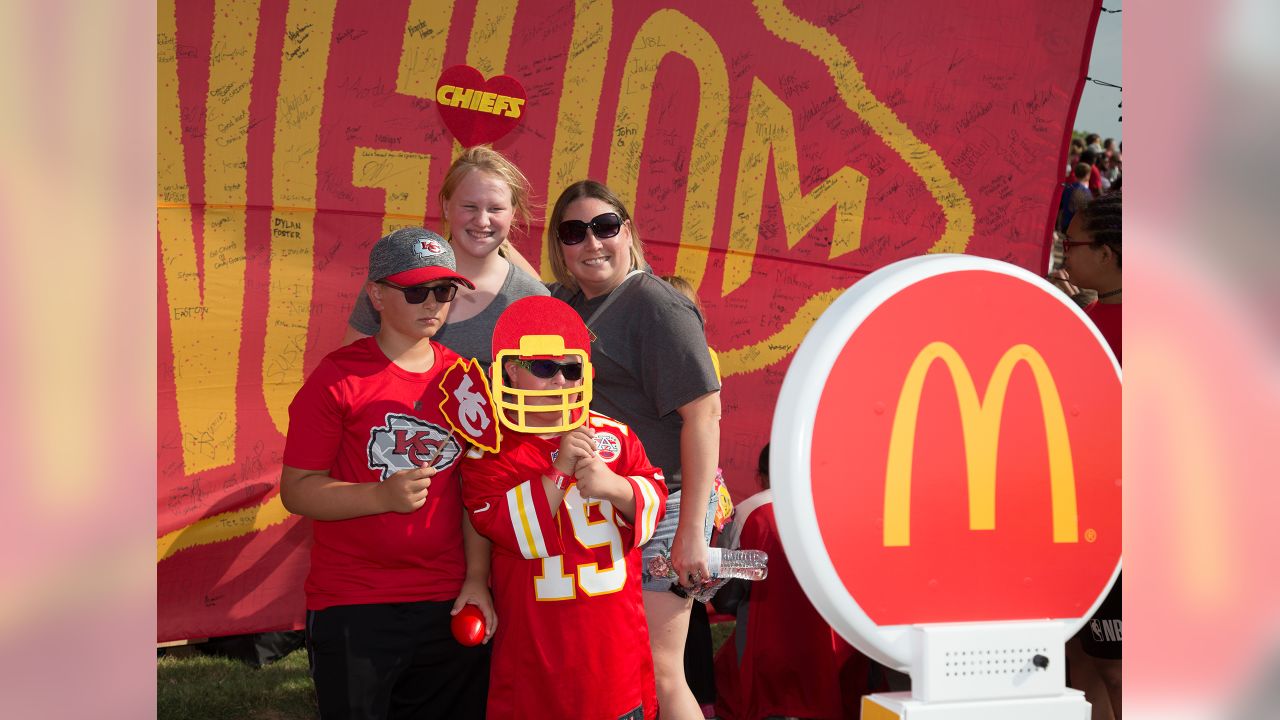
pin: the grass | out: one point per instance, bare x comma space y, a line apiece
719, 633
214, 688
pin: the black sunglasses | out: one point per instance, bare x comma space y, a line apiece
547, 369
572, 232
417, 294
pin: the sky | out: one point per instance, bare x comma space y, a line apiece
1098, 112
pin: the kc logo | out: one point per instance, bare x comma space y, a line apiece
471, 406
432, 247
468, 406
408, 442
980, 422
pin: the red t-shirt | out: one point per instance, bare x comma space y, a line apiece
572, 640
1108, 319
362, 418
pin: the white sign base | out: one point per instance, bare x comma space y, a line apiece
986, 661
1070, 705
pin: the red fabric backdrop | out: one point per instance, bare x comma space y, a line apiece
772, 154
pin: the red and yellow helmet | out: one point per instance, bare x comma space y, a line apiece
540, 327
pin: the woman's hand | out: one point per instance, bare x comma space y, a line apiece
1062, 281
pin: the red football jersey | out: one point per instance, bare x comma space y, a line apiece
572, 640
362, 418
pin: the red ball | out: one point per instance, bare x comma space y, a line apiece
468, 625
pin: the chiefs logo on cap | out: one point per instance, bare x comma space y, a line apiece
431, 246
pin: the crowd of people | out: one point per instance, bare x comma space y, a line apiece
1093, 169
610, 400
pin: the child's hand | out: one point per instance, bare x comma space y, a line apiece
476, 592
406, 490
575, 446
596, 480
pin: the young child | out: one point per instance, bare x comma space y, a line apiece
567, 502
369, 457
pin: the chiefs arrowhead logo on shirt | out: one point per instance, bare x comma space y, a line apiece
468, 405
407, 442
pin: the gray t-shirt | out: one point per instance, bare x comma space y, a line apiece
650, 357
470, 338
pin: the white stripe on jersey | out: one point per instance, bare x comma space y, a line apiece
524, 520
648, 520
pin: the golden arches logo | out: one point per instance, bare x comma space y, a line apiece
980, 422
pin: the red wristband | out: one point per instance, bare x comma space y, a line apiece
560, 479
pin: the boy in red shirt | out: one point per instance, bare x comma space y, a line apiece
370, 458
567, 501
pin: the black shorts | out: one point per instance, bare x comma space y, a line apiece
396, 661
1101, 637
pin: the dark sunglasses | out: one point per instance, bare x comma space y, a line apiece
572, 232
417, 294
547, 369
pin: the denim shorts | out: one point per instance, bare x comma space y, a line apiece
665, 534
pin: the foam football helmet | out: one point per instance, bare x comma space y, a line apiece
539, 328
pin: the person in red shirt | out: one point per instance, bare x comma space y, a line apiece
369, 457
1092, 260
1089, 158
1092, 254
567, 503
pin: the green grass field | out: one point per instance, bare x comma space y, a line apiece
213, 688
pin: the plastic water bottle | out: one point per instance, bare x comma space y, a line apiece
723, 564
745, 564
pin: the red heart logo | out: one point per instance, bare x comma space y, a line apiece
478, 111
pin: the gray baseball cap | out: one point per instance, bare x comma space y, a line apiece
413, 256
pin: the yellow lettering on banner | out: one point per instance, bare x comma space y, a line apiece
426, 33
491, 36
757, 356
919, 156
404, 177
682, 36
304, 65
579, 102
222, 527
980, 422
770, 128
487, 50
205, 307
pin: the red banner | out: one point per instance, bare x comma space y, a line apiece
772, 154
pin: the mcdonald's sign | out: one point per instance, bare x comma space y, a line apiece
963, 461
